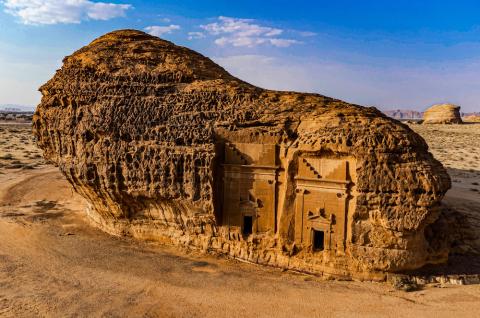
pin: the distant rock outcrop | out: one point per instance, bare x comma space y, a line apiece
442, 114
472, 118
404, 114
164, 144
19, 117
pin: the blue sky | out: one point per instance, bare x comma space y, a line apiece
389, 54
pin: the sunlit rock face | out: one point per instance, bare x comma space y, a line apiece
164, 144
442, 114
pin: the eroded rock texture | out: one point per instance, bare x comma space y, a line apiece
442, 114
164, 144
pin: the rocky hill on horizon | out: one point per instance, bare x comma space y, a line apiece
16, 108
415, 114
404, 114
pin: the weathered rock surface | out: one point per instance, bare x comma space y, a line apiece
164, 144
442, 114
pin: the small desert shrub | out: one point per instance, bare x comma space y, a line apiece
405, 284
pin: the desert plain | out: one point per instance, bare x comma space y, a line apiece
54, 263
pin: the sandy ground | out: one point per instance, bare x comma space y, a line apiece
54, 264
458, 148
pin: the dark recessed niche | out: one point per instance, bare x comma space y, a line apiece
318, 240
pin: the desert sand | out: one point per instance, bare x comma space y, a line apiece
54, 263
458, 148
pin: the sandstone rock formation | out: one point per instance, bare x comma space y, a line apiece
442, 114
164, 144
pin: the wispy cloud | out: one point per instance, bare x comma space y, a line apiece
307, 33
196, 35
36, 12
165, 20
245, 32
159, 30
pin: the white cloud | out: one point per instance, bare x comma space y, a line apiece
37, 12
195, 35
106, 11
159, 30
246, 33
283, 42
251, 42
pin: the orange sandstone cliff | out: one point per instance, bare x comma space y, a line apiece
164, 144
